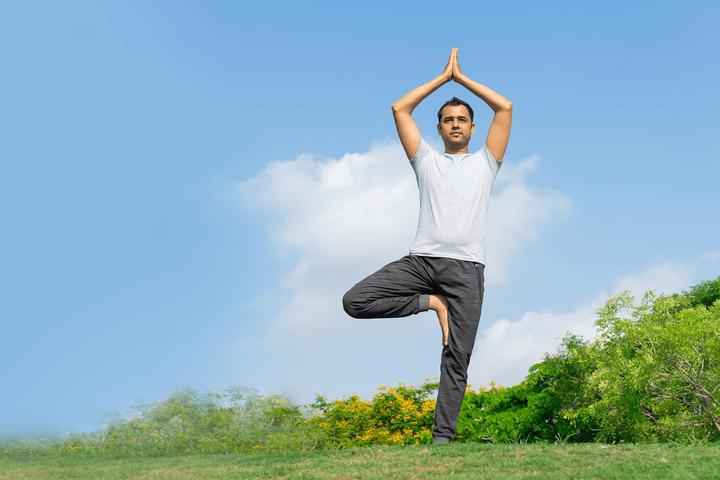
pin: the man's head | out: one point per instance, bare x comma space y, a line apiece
455, 124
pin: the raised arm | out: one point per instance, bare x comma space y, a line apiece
402, 109
499, 132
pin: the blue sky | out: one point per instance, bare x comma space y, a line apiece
189, 187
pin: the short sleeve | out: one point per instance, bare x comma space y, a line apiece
420, 160
422, 152
490, 159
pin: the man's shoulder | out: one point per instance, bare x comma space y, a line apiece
425, 149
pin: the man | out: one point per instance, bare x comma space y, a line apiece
445, 268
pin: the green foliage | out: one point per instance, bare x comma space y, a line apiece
498, 416
658, 374
543, 407
398, 415
706, 293
651, 374
187, 423
239, 419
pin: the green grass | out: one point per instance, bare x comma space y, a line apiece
458, 460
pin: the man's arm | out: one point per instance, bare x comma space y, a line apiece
499, 132
402, 109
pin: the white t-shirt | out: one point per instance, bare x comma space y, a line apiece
454, 193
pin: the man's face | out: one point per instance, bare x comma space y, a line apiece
455, 126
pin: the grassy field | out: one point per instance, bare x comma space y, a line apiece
472, 461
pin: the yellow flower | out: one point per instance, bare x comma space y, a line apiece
406, 405
428, 406
382, 387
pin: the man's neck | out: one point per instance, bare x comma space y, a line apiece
451, 151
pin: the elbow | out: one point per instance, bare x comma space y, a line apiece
505, 107
398, 107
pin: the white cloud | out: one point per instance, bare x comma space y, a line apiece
663, 278
347, 212
516, 216
517, 173
344, 218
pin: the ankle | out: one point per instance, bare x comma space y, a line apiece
436, 302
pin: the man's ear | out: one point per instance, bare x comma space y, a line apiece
472, 129
438, 129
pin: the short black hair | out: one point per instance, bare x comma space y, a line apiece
454, 101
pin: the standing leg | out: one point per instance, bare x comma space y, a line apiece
462, 283
399, 289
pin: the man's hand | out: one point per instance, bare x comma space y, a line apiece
456, 73
450, 67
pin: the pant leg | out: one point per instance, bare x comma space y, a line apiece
398, 289
462, 283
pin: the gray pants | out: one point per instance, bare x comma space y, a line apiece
402, 288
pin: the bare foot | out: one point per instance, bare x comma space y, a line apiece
440, 304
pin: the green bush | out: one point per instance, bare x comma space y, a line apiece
658, 367
543, 407
398, 415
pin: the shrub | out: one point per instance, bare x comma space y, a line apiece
396, 415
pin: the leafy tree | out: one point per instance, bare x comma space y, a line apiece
658, 366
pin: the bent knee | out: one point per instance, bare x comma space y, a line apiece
349, 304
